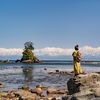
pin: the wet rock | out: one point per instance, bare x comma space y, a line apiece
56, 91
18, 61
72, 86
84, 95
84, 87
24, 88
45, 68
1, 83
25, 95
38, 90
64, 97
83, 82
4, 61
61, 72
57, 70
80, 96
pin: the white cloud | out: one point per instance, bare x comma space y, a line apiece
88, 50
10, 51
52, 51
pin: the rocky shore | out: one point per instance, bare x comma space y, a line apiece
37, 93
84, 87
81, 87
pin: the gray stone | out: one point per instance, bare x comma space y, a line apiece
83, 82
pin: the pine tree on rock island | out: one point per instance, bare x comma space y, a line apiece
28, 55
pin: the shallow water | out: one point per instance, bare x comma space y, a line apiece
17, 75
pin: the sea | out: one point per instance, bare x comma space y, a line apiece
16, 75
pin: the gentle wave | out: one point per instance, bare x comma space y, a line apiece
10, 71
48, 69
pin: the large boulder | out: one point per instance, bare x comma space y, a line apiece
83, 82
84, 87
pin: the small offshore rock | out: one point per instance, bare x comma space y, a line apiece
45, 68
1, 83
25, 88
57, 71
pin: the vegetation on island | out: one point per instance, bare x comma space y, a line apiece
28, 55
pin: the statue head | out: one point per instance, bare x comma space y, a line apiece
76, 47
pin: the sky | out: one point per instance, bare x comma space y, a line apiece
54, 26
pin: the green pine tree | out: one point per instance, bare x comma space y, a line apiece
28, 55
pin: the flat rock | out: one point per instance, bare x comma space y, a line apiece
25, 95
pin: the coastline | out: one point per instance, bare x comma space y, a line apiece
50, 62
56, 72
40, 92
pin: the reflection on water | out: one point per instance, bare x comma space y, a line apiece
17, 75
28, 73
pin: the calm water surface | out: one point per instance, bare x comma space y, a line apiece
19, 74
